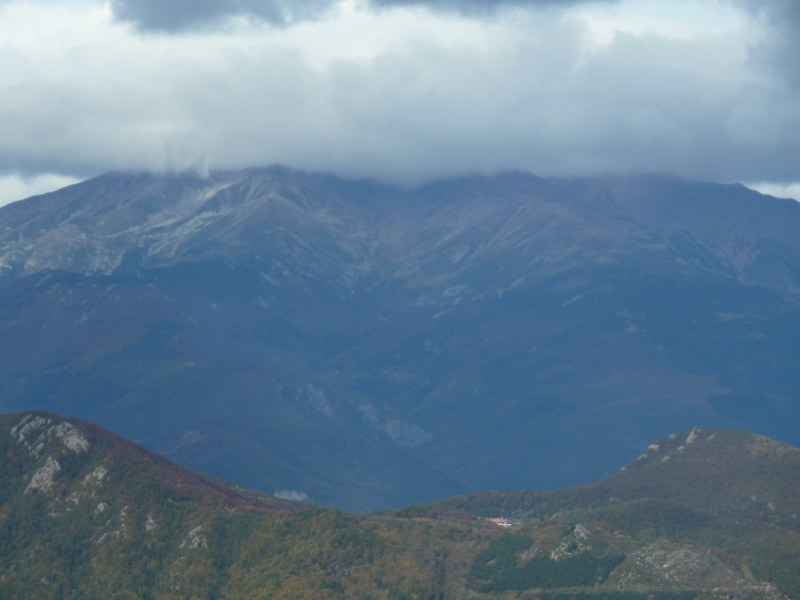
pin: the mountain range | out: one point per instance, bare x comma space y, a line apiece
369, 346
701, 515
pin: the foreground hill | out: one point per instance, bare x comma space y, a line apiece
733, 491
84, 514
370, 347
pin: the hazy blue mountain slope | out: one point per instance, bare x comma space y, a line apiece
372, 346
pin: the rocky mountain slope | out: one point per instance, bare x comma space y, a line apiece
370, 346
84, 514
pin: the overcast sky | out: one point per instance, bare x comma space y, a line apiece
400, 90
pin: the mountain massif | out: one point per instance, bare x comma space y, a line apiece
368, 346
700, 516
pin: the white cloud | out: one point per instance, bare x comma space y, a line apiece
15, 187
779, 190
681, 19
402, 94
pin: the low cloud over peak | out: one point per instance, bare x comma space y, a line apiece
705, 90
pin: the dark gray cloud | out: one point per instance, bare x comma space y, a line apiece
175, 15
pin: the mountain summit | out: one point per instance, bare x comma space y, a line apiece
368, 346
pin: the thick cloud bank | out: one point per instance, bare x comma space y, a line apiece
402, 93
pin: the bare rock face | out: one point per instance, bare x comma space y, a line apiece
195, 539
42, 479
45, 439
35, 432
48, 443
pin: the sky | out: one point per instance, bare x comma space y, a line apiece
400, 90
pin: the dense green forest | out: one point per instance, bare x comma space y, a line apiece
84, 514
